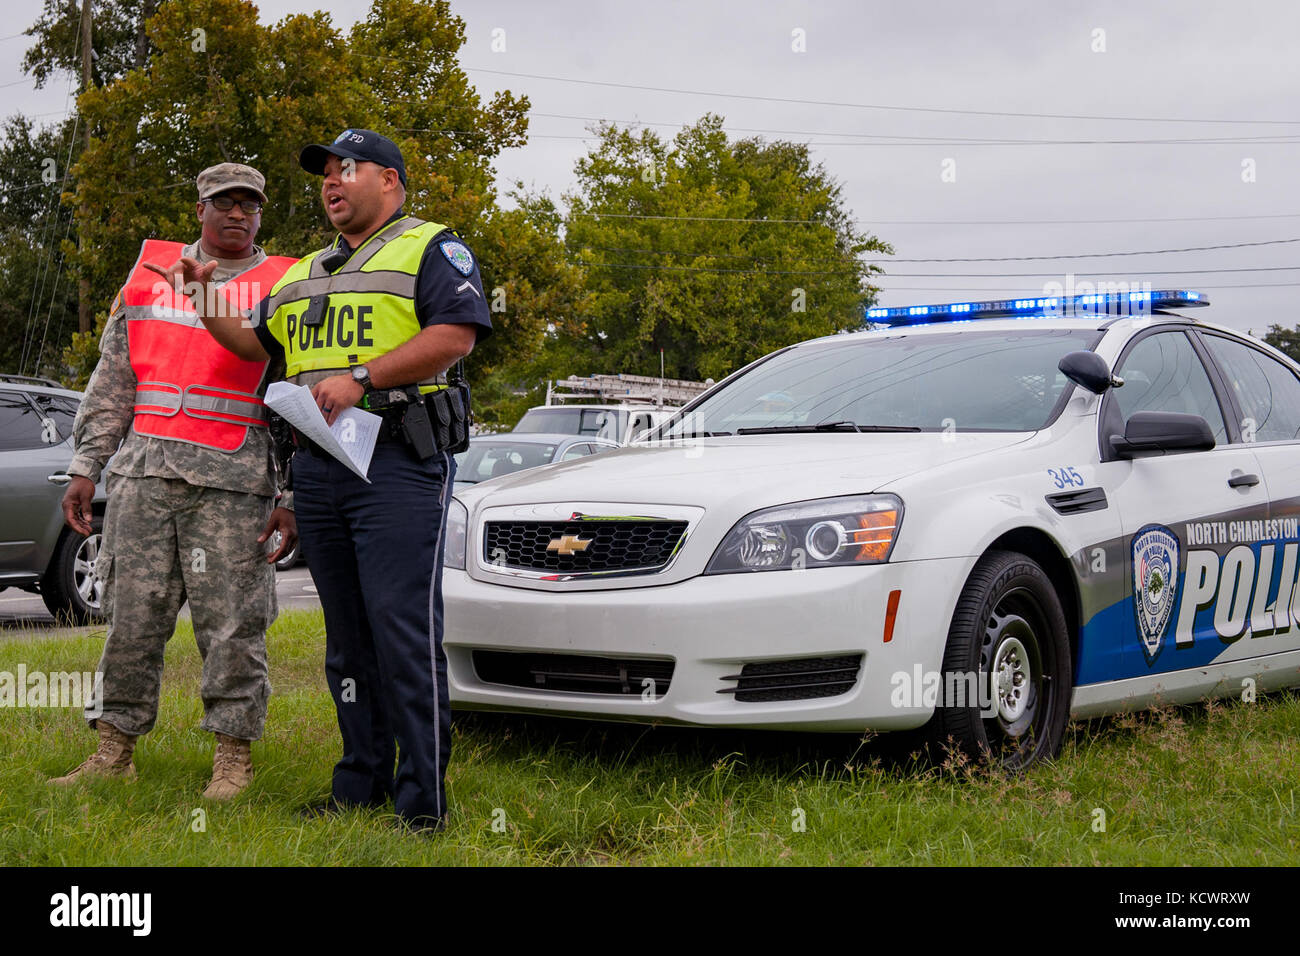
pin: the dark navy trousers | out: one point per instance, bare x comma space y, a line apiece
375, 554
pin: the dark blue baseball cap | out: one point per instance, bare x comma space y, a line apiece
363, 145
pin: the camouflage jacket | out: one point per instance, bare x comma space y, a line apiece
104, 421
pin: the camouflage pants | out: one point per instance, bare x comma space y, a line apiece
166, 540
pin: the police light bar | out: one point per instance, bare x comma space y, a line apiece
1101, 303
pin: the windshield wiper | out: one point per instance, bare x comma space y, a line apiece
826, 427
675, 435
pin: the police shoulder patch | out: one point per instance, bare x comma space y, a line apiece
461, 259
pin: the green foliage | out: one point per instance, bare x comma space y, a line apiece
117, 37
38, 298
218, 86
712, 295
82, 355
1284, 340
535, 299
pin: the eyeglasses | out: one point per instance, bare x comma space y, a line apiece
226, 203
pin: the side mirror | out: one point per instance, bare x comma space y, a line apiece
1089, 370
1161, 432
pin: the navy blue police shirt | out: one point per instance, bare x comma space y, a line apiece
444, 293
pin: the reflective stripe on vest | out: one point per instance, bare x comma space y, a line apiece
367, 307
238, 408
189, 388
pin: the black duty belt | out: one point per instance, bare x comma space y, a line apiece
389, 431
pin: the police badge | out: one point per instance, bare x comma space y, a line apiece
1155, 583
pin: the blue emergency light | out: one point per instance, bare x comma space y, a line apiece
1101, 303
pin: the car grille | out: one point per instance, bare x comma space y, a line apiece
614, 545
799, 679
575, 672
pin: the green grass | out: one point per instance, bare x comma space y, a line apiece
1213, 784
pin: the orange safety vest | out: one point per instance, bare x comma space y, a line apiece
188, 387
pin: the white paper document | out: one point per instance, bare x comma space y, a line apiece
351, 439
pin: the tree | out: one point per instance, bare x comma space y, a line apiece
536, 298
119, 39
1284, 340
221, 87
714, 251
38, 301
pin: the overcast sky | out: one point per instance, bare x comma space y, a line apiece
1224, 71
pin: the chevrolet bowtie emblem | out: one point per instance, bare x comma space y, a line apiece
567, 544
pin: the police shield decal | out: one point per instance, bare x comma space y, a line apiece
1155, 583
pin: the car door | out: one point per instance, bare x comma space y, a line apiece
1265, 393
34, 456
1189, 569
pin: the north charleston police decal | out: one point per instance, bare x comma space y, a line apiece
1155, 581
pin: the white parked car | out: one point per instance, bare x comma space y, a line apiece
978, 528
617, 423
491, 456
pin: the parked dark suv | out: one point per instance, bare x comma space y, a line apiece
38, 552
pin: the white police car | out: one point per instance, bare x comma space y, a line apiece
963, 523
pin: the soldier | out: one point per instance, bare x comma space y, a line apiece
188, 491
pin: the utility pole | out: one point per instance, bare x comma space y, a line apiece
84, 313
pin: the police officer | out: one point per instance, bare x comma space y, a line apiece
391, 303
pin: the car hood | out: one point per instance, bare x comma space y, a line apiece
710, 472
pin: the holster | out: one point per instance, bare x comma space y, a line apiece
449, 415
430, 423
282, 442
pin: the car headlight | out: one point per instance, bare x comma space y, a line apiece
827, 532
453, 553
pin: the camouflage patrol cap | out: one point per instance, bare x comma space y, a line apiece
226, 176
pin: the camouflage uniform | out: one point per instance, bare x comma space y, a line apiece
182, 522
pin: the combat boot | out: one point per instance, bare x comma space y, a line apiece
112, 759
232, 768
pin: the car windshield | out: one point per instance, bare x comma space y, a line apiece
951, 381
484, 460
573, 420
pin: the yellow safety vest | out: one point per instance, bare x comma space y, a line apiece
367, 306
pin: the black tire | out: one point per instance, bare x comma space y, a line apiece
69, 588
1010, 630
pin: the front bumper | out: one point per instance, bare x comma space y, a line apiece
709, 627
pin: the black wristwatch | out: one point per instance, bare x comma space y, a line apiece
361, 375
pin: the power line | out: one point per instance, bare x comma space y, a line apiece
931, 141
913, 140
1081, 255
938, 222
1030, 275
766, 272
971, 288
1101, 255
1070, 222
860, 106
871, 106
929, 275
879, 277
29, 332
